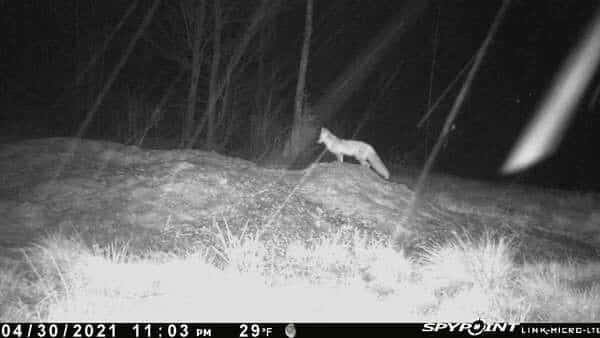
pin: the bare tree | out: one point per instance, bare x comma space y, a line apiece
218, 54
256, 22
213, 96
301, 126
298, 103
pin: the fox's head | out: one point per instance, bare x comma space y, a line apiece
324, 134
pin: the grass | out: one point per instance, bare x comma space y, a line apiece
344, 275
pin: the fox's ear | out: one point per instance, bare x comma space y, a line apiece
321, 135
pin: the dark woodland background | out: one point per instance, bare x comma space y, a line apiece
222, 75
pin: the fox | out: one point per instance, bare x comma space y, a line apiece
363, 152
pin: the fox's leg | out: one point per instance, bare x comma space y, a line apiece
340, 157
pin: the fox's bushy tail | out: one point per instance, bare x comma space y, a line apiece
377, 164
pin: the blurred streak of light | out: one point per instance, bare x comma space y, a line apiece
546, 129
434, 53
357, 71
99, 53
107, 86
409, 213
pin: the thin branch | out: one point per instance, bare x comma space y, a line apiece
169, 55
382, 90
156, 115
446, 91
257, 20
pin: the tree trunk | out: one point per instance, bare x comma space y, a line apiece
356, 73
299, 101
188, 121
300, 129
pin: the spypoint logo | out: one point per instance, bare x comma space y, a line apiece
475, 328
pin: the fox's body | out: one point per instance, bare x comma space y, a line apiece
363, 152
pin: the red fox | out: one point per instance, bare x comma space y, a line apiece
363, 152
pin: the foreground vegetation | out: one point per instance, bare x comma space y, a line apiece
344, 275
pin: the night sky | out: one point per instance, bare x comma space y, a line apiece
46, 43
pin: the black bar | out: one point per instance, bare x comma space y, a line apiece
290, 330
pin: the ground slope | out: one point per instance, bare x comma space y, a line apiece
105, 190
